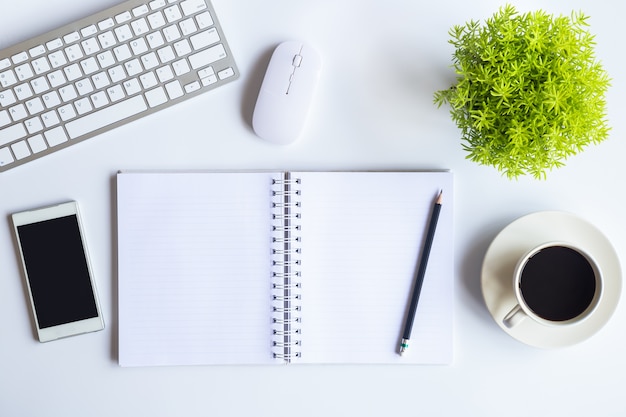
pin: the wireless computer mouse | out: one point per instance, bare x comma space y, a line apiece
286, 93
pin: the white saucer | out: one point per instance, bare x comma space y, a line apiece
521, 236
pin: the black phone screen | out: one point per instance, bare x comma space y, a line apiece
58, 274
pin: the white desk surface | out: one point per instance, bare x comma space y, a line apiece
382, 62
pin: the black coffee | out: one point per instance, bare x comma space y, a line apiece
558, 283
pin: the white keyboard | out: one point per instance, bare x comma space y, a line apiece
105, 70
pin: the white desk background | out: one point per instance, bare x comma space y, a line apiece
382, 62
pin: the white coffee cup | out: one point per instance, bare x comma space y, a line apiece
555, 284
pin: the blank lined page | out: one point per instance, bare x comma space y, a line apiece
362, 234
194, 268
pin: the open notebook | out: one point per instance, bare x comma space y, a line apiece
281, 267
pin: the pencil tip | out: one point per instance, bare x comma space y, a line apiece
404, 344
440, 197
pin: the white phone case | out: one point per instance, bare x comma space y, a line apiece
58, 274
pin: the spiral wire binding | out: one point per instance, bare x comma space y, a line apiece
286, 285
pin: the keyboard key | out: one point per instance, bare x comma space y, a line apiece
132, 86
166, 54
206, 72
55, 136
149, 61
156, 97
4, 118
107, 39
68, 93
18, 112
141, 10
123, 17
72, 72
139, 46
140, 27
57, 59
99, 99
204, 20
39, 85
19, 58
35, 106
188, 27
165, 73
212, 79
123, 33
74, 53
5, 157
226, 73
100, 80
156, 4
11, 133
4, 63
106, 24
7, 98
67, 112
191, 87
207, 57
90, 46
71, 37
23, 91
172, 14
89, 65
51, 99
20, 150
192, 6
84, 87
56, 78
34, 125
83, 106
156, 20
50, 119
116, 93
89, 31
36, 51
155, 39
181, 67
106, 59
174, 89
122, 53
182, 47
54, 44
133, 67
41, 65
37, 144
24, 72
7, 78
171, 33
106, 116
148, 80
117, 74
204, 39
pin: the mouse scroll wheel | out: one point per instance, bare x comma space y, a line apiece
297, 60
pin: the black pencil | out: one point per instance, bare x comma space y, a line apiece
421, 271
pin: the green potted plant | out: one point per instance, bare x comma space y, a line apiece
529, 92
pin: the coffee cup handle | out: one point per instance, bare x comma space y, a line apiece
514, 317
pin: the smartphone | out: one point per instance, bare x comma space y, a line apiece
57, 271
